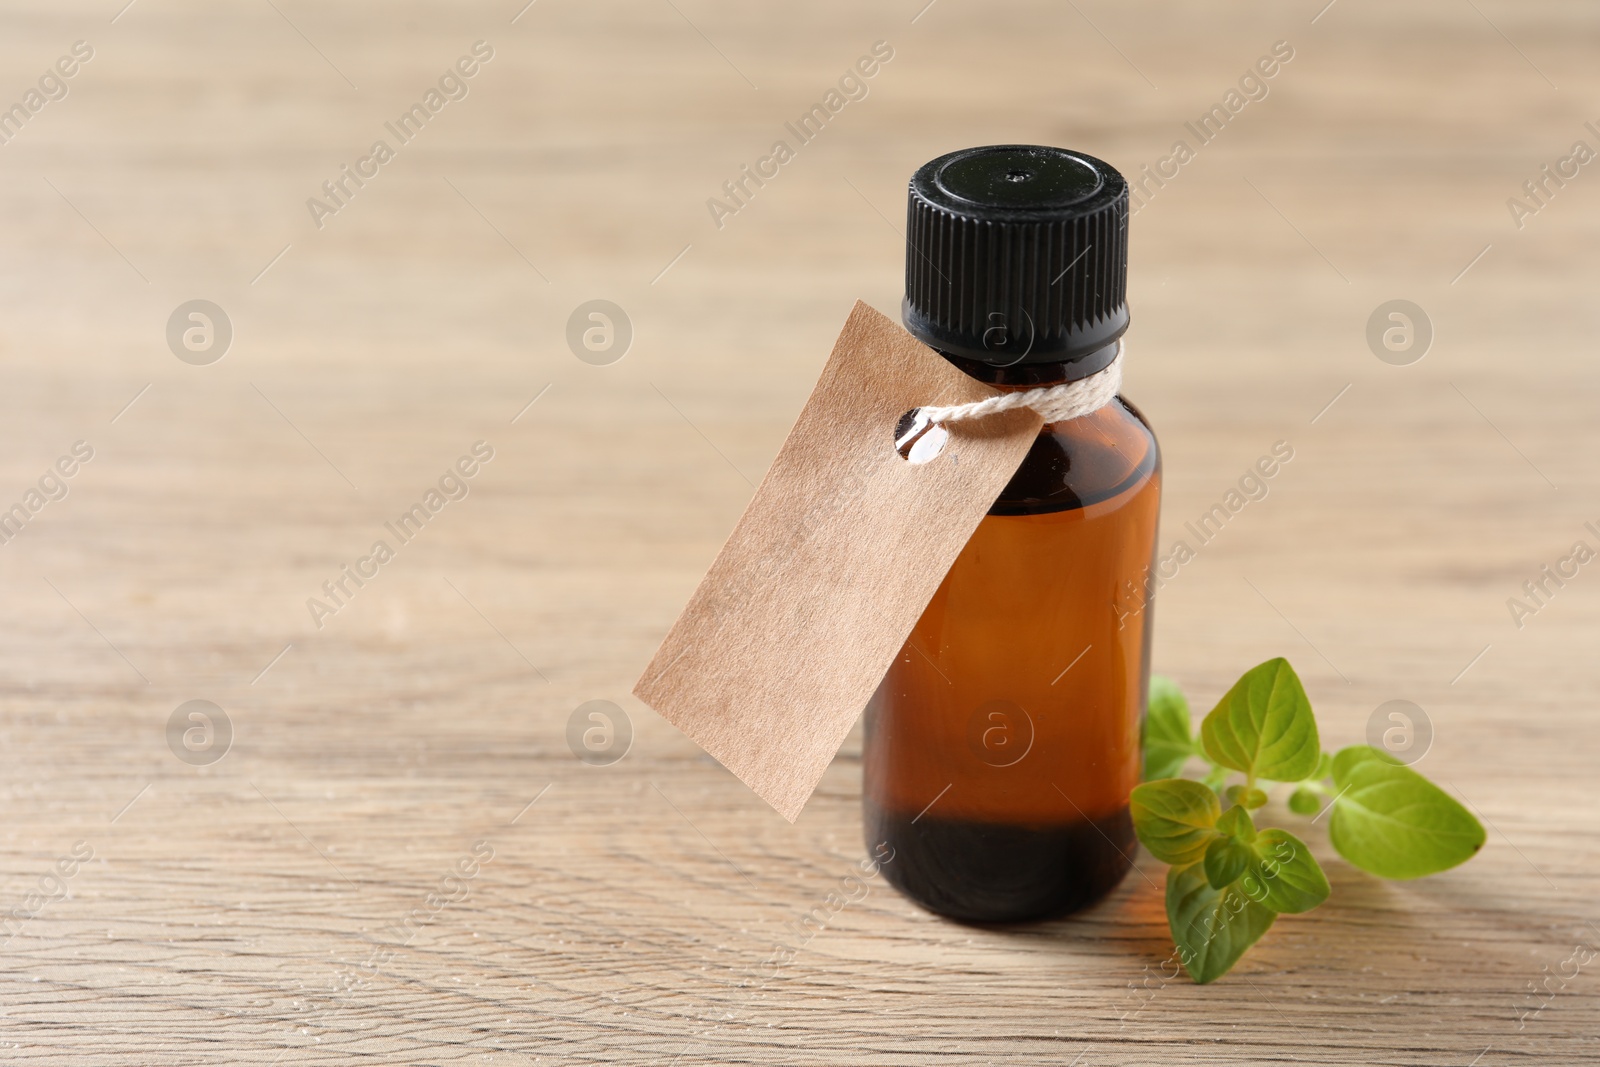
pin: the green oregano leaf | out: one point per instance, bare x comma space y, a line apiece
1283, 875
1175, 819
1211, 927
1226, 859
1168, 736
1236, 822
1264, 726
1228, 881
1390, 820
1305, 801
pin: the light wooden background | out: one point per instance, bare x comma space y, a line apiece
622, 916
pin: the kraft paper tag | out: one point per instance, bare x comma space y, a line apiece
832, 563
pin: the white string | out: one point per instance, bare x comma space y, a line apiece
1057, 403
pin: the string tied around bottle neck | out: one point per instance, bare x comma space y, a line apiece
1055, 403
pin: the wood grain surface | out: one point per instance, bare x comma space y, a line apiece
398, 857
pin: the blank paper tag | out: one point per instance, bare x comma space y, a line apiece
831, 564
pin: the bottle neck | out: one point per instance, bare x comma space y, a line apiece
1035, 375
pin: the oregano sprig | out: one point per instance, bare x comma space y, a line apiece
1228, 881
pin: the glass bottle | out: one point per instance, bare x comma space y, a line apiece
1003, 742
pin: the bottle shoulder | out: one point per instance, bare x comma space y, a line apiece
1083, 461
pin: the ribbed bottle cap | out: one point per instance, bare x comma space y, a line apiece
1017, 254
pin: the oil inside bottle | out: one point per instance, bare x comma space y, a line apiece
1003, 742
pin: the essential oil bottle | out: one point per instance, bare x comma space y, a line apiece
1003, 743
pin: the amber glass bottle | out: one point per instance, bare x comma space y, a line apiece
1003, 742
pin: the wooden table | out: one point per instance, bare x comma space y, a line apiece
293, 901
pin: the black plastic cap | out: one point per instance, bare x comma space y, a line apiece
1017, 254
